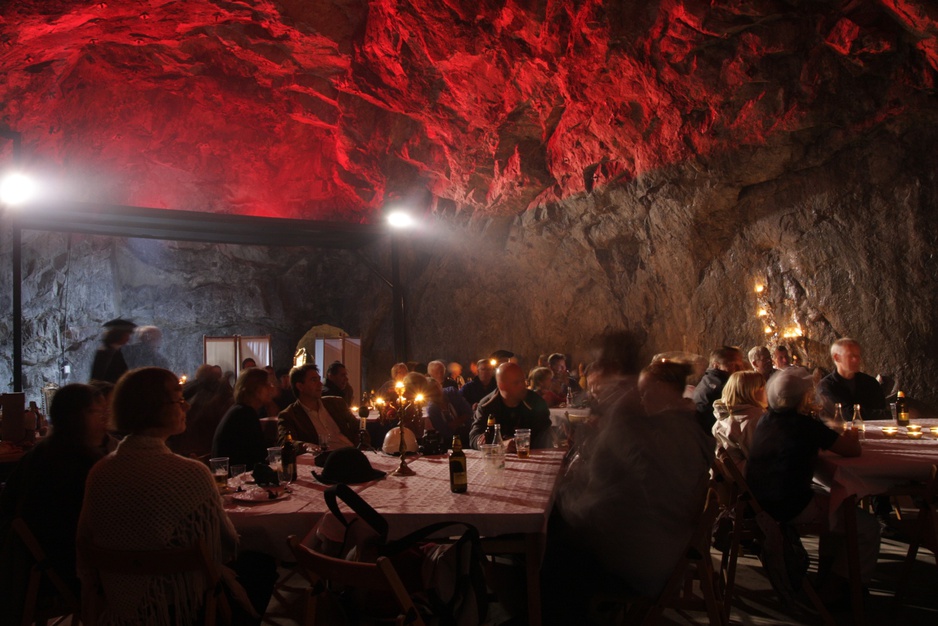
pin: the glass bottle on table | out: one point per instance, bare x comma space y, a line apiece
902, 410
489, 436
838, 423
857, 423
500, 442
363, 433
458, 477
288, 458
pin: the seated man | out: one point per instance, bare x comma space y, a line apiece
480, 386
761, 360
848, 386
724, 361
781, 358
337, 383
563, 381
513, 406
437, 371
780, 470
314, 419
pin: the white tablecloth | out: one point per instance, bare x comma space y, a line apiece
520, 504
884, 464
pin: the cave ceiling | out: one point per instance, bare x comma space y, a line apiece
333, 109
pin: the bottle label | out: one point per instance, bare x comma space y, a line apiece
457, 470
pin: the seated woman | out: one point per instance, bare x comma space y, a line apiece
46, 490
239, 435
745, 401
448, 412
540, 380
144, 497
780, 471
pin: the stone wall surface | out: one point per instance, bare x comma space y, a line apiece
579, 167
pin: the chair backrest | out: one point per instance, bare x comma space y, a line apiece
195, 558
726, 467
41, 567
325, 572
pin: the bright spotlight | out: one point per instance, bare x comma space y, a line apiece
16, 188
400, 219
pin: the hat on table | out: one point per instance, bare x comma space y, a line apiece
348, 466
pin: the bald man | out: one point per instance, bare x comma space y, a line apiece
513, 406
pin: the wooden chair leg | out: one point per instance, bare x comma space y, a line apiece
849, 510
809, 591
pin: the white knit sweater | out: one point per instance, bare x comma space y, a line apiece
144, 497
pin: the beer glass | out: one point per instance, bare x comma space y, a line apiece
219, 466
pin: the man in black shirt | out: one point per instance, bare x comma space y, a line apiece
513, 406
848, 386
724, 361
480, 386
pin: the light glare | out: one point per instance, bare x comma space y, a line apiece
400, 219
16, 188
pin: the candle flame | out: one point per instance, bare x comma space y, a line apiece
399, 385
418, 398
493, 362
183, 379
760, 288
768, 330
762, 313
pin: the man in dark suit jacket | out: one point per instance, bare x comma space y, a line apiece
314, 419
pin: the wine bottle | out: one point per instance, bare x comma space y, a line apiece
840, 425
363, 433
490, 430
858, 424
288, 458
500, 442
902, 410
458, 477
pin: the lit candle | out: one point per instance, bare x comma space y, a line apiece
760, 288
183, 379
354, 409
914, 431
418, 398
934, 430
890, 431
762, 313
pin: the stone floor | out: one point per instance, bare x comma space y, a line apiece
756, 604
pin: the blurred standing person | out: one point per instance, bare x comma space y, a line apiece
239, 435
480, 386
109, 364
145, 350
647, 456
46, 490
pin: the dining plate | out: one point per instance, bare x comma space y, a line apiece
257, 496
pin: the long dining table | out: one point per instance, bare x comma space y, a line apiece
885, 464
510, 511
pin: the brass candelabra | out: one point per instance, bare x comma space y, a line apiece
407, 412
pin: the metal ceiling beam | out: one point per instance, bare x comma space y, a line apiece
150, 223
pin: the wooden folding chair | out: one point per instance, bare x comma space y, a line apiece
744, 508
922, 529
64, 604
166, 562
695, 563
327, 574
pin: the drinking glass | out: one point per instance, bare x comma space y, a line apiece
892, 409
493, 457
523, 442
237, 478
219, 466
273, 459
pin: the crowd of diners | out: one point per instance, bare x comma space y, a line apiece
124, 464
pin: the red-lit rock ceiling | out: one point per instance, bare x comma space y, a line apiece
330, 109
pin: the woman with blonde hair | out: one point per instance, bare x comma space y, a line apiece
745, 402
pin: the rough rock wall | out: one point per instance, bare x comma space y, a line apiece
72, 284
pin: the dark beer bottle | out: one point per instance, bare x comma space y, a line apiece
363, 433
458, 478
902, 410
288, 458
490, 430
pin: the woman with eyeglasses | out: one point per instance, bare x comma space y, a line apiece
144, 497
